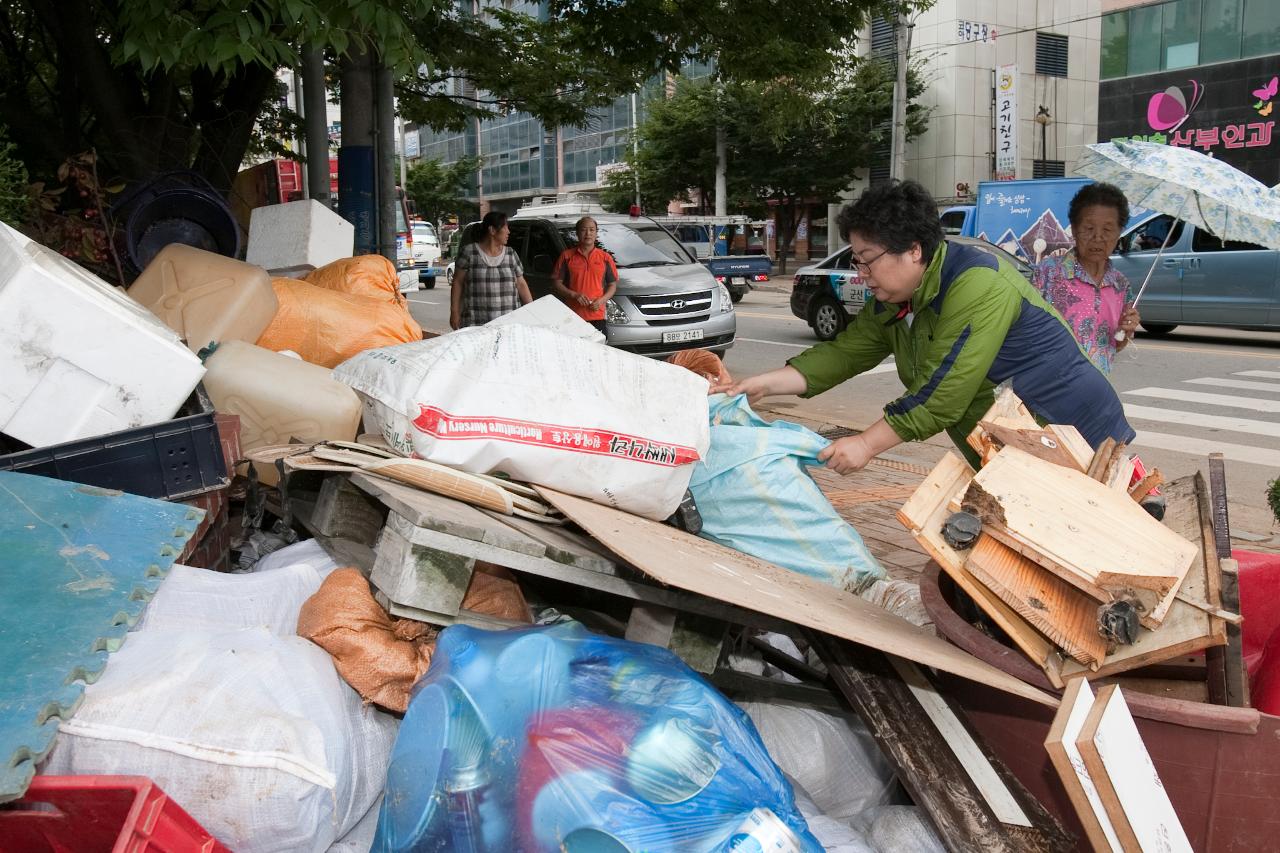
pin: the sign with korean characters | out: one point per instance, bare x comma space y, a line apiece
967, 31
1006, 122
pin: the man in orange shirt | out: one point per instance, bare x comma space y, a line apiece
585, 275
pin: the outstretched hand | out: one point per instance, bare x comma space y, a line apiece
846, 455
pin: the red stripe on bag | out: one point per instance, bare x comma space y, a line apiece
600, 442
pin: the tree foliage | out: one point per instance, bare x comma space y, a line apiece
13, 183
440, 191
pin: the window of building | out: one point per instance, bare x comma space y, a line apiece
1115, 45
1181, 34
1048, 169
1261, 27
1220, 30
1145, 23
1051, 54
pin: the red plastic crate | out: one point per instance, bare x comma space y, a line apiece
100, 814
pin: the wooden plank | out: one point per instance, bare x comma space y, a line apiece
1236, 682
1007, 410
1084, 532
744, 687
1070, 437
1126, 779
1186, 628
436, 512
1037, 442
1101, 459
923, 515
1057, 609
926, 763
1121, 474
1077, 700
707, 568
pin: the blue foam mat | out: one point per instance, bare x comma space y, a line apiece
77, 566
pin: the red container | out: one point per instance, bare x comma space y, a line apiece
100, 814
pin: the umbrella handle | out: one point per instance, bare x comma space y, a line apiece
1121, 334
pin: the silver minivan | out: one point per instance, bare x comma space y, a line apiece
1200, 280
666, 301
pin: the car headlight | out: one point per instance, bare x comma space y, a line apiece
726, 301
614, 314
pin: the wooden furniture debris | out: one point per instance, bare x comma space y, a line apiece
712, 570
972, 801
1077, 701
1084, 532
1038, 442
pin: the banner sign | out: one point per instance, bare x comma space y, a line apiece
1006, 122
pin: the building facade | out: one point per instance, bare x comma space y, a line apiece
1196, 73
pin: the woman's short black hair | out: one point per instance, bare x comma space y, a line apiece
493, 219
896, 216
1102, 195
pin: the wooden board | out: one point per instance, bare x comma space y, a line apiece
1038, 442
1057, 609
699, 565
1087, 534
1069, 437
1185, 628
923, 515
1008, 410
1126, 778
1077, 700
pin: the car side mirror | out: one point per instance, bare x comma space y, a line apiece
542, 264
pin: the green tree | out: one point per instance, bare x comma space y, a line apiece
439, 191
13, 183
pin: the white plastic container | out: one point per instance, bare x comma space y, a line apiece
78, 357
205, 296
288, 239
279, 398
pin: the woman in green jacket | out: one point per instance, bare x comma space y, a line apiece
958, 321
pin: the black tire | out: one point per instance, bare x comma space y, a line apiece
827, 318
735, 296
428, 283
1158, 329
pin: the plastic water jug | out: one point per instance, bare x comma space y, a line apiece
206, 297
278, 397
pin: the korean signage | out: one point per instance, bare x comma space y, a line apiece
1006, 122
1228, 109
973, 31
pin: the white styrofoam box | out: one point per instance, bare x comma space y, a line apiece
298, 234
78, 357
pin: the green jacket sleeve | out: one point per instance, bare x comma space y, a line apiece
861, 346
976, 314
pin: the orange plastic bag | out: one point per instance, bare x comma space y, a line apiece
326, 327
363, 275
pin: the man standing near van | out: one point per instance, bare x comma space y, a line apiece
585, 276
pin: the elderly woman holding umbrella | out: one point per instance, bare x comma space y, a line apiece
1091, 295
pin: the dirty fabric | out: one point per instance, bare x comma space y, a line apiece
754, 495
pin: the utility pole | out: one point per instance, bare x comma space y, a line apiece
635, 147
357, 171
316, 124
898, 163
385, 170
722, 169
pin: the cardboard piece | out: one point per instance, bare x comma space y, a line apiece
704, 567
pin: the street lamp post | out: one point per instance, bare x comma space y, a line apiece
1044, 119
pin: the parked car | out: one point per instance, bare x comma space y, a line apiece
1200, 280
828, 294
426, 253
666, 301
405, 271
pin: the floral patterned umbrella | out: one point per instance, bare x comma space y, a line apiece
1188, 185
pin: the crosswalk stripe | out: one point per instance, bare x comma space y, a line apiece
1211, 399
1260, 374
1177, 416
1243, 384
1201, 447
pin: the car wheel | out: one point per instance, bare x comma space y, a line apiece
735, 296
1158, 329
827, 318
429, 283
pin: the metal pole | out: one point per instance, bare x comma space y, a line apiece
316, 124
404, 156
300, 141
722, 169
635, 146
898, 162
385, 129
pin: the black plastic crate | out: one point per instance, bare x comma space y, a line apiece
169, 460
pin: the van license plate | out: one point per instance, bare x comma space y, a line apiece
739, 279
677, 337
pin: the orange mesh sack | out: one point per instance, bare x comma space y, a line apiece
363, 275
379, 657
494, 591
327, 327
703, 362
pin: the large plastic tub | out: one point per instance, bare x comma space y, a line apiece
79, 358
101, 814
205, 297
170, 460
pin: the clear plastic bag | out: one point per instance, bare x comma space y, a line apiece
553, 738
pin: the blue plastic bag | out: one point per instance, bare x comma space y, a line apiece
553, 738
754, 495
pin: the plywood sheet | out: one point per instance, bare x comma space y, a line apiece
923, 515
1077, 700
1094, 537
1059, 610
1126, 779
707, 568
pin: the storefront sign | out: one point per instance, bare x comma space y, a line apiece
973, 31
1006, 122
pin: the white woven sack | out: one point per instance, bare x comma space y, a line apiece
199, 599
255, 735
539, 406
